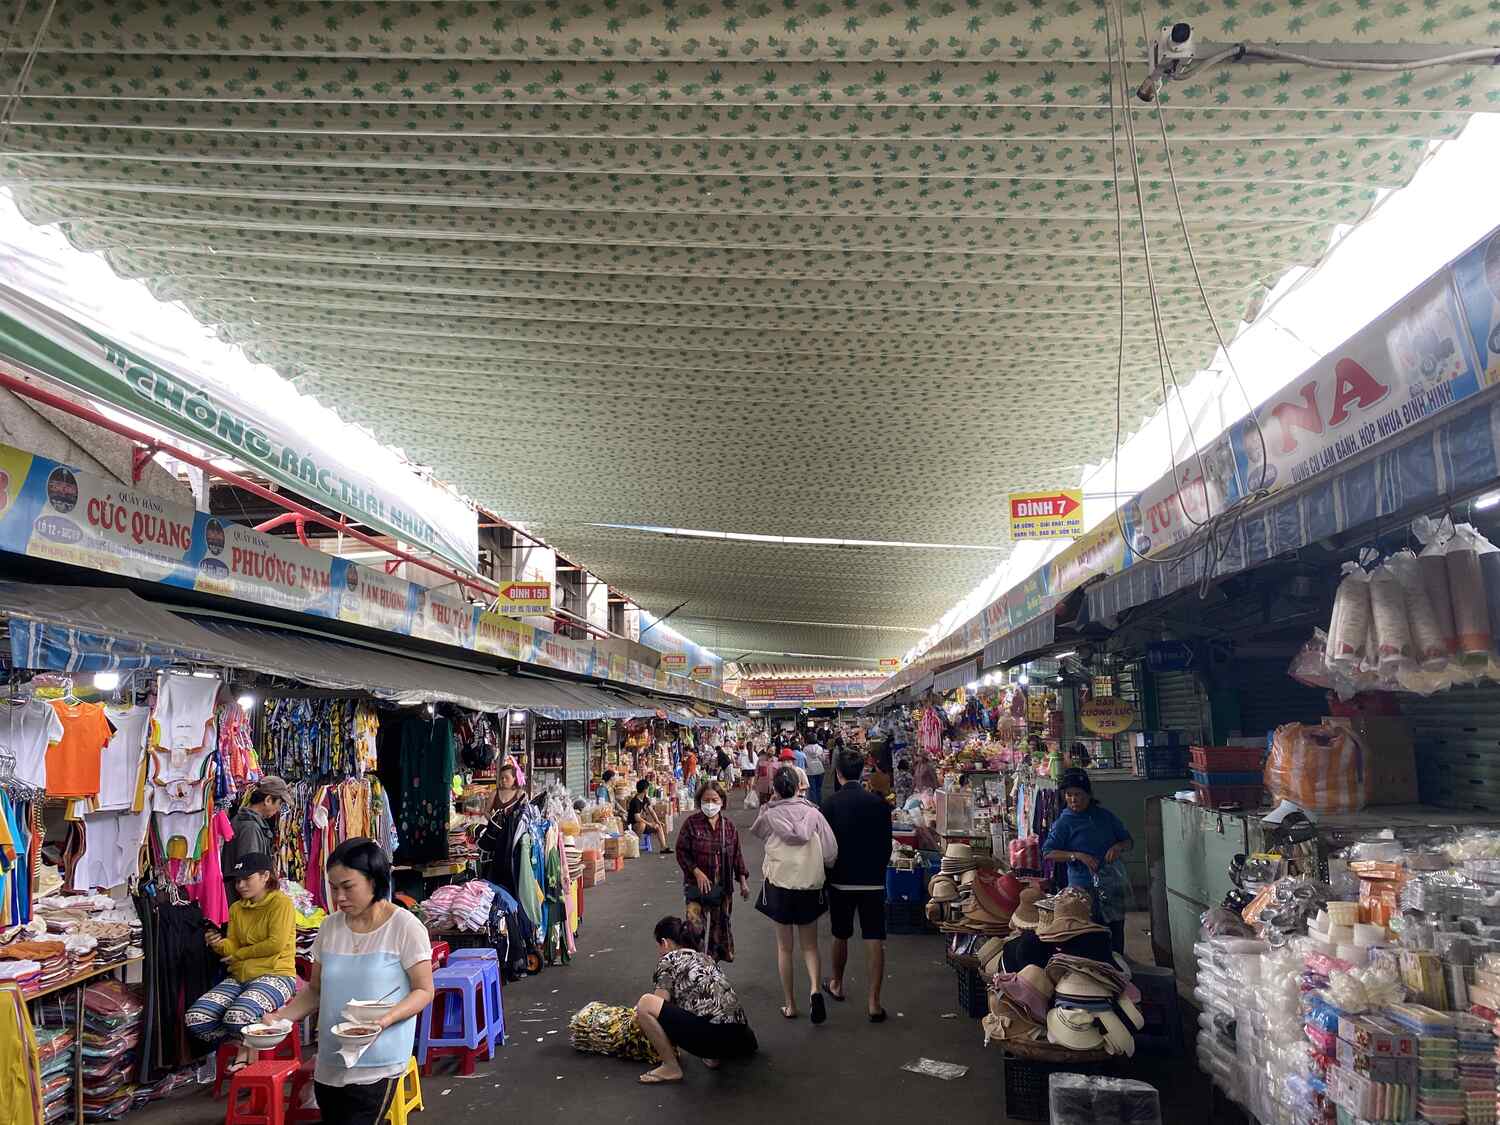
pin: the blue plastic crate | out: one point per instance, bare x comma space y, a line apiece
906, 886
1216, 779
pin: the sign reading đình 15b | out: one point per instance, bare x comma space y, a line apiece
287, 450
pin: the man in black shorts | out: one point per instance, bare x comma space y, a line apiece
861, 822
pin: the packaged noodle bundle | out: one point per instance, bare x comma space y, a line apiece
1319, 767
1349, 628
1429, 646
1393, 650
1471, 614
608, 1029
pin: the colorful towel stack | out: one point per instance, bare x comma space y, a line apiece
1440, 1099
1476, 1068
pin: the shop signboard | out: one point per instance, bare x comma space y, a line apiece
1168, 656
524, 599
368, 596
1477, 275
1409, 363
1101, 551
50, 511
890, 664
1108, 715
287, 450
1054, 514
1173, 508
674, 661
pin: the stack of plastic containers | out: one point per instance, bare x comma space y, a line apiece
1476, 1068
1439, 1098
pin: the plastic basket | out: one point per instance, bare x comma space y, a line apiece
973, 998
1216, 796
1027, 1097
1246, 777
1227, 759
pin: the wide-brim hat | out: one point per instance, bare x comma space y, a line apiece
936, 911
1011, 1027
1106, 973
1071, 916
942, 889
1030, 988
1078, 986
1074, 1029
989, 955
960, 852
978, 913
1026, 915
1001, 894
1118, 1039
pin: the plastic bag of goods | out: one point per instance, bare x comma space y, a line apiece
1393, 648
1079, 1099
1428, 641
1471, 611
1310, 665
630, 845
608, 1029
1317, 766
1349, 627
1433, 565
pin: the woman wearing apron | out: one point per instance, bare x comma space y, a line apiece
368, 949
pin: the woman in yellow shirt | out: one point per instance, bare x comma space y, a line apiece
260, 952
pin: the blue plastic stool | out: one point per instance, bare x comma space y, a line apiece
646, 842
475, 986
487, 958
480, 953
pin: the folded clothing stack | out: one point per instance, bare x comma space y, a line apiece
24, 973
55, 1063
112, 1024
464, 907
114, 939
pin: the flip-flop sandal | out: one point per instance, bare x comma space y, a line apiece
819, 1009
828, 988
236, 1067
789, 1013
878, 1017
649, 1079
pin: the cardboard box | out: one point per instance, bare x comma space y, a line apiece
1390, 758
1375, 1036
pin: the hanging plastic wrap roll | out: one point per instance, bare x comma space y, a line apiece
1471, 614
1429, 646
1393, 650
1434, 569
1349, 629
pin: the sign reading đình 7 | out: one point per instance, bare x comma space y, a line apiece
289, 451
1055, 514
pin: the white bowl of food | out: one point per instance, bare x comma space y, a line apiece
366, 1011
264, 1036
352, 1034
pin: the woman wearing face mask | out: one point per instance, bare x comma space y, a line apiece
708, 851
367, 949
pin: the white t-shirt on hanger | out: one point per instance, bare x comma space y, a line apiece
26, 730
184, 708
121, 762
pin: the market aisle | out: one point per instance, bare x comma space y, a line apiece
847, 1067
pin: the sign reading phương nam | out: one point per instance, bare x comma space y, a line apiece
1055, 514
524, 599
288, 451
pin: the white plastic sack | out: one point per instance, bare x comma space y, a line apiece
1471, 614
1393, 649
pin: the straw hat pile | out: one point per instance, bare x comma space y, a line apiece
962, 898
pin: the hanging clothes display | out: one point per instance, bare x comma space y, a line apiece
179, 968
426, 788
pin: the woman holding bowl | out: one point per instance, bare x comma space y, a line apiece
368, 949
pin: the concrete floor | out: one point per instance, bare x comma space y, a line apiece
847, 1067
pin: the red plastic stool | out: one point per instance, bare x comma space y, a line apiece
440, 952
297, 1113
288, 1048
258, 1093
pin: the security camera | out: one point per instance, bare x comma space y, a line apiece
1170, 54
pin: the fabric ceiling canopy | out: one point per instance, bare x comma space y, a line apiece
1036, 633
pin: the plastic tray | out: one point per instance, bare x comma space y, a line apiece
1227, 759
1248, 777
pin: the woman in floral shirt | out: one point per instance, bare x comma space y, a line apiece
693, 1008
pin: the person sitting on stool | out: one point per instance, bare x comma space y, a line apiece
641, 817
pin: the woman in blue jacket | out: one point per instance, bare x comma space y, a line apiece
1089, 839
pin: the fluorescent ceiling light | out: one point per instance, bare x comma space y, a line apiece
246, 702
106, 681
794, 540
1060, 655
1488, 500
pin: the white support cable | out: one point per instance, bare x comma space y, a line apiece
1279, 54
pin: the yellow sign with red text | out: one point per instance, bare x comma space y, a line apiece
1055, 514
524, 599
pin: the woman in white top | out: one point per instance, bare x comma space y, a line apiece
369, 949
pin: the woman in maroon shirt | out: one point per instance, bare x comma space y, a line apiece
708, 851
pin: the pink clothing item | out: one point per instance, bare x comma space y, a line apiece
208, 892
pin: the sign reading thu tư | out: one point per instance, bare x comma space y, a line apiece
1057, 514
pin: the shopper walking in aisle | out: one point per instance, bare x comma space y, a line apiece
510, 813
861, 824
1090, 840
816, 764
260, 952
708, 851
254, 827
747, 765
692, 1008
799, 848
368, 949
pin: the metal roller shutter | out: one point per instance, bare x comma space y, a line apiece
1180, 703
576, 758
1269, 697
1457, 736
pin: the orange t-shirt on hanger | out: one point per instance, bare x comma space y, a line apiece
73, 760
